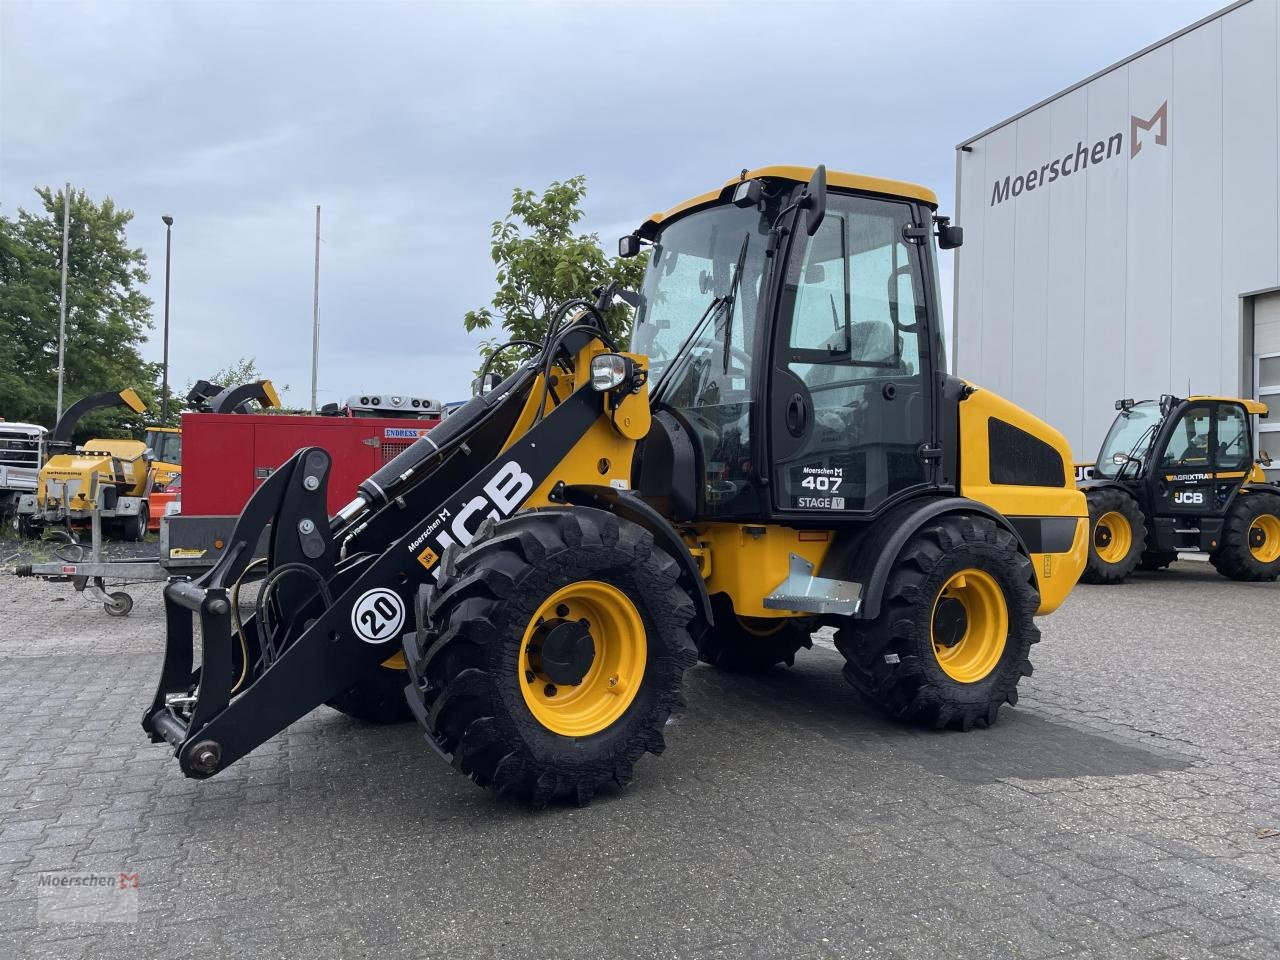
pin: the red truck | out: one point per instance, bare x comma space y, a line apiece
227, 456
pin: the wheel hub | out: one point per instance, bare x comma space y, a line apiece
950, 621
969, 625
1102, 537
567, 651
582, 658
1264, 538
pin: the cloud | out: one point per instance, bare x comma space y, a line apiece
411, 123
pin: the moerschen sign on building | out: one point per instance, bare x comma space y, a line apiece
1083, 155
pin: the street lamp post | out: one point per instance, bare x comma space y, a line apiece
164, 386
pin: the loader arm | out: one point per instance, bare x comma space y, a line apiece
320, 643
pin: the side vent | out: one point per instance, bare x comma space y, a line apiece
1020, 459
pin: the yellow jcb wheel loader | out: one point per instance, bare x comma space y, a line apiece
779, 449
1181, 474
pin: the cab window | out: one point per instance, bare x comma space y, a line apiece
1232, 443
1188, 444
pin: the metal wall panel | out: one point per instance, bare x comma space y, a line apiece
1107, 203
998, 265
1064, 375
1031, 269
1250, 159
1124, 278
1148, 279
1197, 295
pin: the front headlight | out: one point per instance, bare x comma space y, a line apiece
610, 370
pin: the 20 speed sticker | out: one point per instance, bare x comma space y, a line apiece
378, 615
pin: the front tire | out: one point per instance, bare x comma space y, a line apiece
751, 644
1250, 539
1117, 536
551, 653
955, 628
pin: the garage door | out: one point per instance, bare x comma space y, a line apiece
1266, 374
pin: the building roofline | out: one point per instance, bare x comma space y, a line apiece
1105, 70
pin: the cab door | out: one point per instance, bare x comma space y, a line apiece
1207, 451
849, 411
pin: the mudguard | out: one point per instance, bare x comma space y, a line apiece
868, 557
629, 506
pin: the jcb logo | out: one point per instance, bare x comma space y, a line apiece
1159, 122
1193, 497
500, 497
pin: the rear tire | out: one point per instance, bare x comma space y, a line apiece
377, 697
955, 628
1117, 534
750, 644
486, 631
1250, 539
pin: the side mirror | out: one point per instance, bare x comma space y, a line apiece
1119, 459
815, 199
748, 193
1264, 458
629, 246
949, 237
148, 454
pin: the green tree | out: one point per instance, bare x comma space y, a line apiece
543, 261
108, 315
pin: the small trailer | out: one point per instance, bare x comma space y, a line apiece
226, 457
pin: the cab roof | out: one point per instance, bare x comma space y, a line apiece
1250, 406
835, 178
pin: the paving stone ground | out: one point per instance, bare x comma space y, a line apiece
1122, 810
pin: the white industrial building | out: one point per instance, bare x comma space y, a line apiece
1122, 238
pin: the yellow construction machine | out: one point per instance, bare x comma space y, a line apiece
1182, 474
110, 476
780, 448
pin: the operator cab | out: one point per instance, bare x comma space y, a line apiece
823, 413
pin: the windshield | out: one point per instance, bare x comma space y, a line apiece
166, 445
1131, 436
692, 264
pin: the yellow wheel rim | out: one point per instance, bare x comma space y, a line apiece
1112, 537
970, 625
1264, 538
610, 666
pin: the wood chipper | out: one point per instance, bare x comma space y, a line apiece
780, 448
110, 476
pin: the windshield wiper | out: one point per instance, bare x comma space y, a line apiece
682, 356
731, 297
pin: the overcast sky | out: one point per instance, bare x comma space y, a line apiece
410, 123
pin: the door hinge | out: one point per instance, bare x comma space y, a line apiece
929, 452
